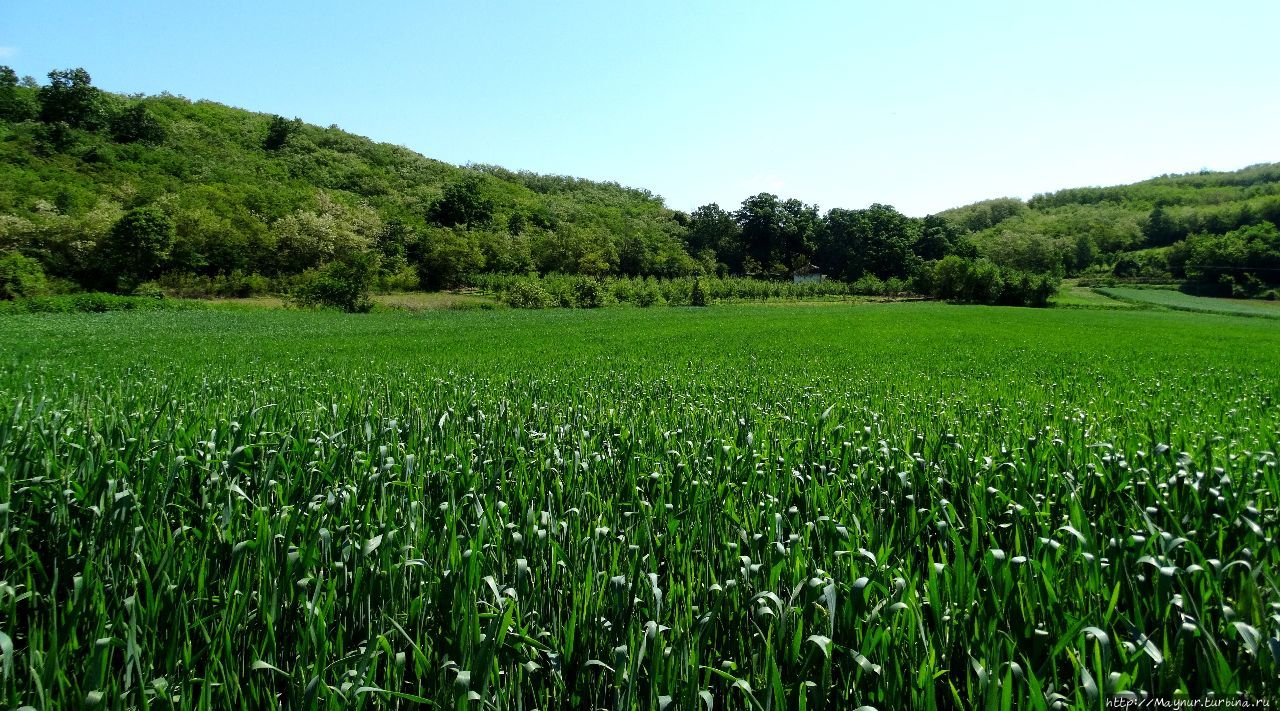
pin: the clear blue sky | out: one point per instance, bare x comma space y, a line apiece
923, 106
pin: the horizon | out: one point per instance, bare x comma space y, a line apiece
959, 121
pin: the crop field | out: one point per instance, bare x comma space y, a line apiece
890, 505
1174, 299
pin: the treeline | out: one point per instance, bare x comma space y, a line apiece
1243, 263
952, 278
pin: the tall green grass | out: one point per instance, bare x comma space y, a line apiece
910, 505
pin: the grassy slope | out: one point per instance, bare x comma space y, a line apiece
682, 432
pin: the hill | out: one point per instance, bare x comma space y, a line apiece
255, 194
121, 193
1140, 229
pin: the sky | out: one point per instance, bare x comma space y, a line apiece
919, 105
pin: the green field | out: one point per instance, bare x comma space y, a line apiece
893, 505
1173, 299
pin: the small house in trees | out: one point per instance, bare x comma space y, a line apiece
808, 272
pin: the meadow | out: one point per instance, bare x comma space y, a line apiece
825, 506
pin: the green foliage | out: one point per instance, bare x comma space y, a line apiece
712, 228
328, 229
463, 204
1072, 230
961, 280
867, 285
343, 284
1126, 266
449, 258
678, 291
1159, 228
16, 103
778, 235
315, 196
279, 132
697, 297
138, 246
237, 284
318, 195
71, 98
136, 124
987, 214
1241, 263
20, 277
588, 293
527, 294
878, 241
94, 302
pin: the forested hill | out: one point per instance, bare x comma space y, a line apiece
107, 191
1130, 226
255, 193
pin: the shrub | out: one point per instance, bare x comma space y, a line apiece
646, 294
150, 290
343, 284
138, 245
1126, 266
697, 297
93, 302
588, 293
895, 286
982, 282
135, 124
237, 285
405, 279
21, 276
868, 285
526, 294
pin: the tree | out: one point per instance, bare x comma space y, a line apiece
463, 203
393, 242
711, 227
344, 284
1085, 253
20, 276
279, 131
987, 214
778, 235
1239, 263
333, 230
138, 246
937, 235
135, 124
1160, 229
15, 104
72, 99
447, 257
697, 297
877, 241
